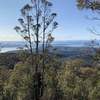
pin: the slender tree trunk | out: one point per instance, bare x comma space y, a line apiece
30, 41
37, 89
43, 53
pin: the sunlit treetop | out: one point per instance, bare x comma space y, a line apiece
89, 4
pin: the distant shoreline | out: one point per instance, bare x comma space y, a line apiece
7, 46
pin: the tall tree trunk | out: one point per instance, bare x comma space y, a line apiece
37, 85
30, 41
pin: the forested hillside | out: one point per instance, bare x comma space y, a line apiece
67, 80
39, 71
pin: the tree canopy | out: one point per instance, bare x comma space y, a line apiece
89, 4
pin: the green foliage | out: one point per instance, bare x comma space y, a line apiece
77, 82
69, 80
20, 84
8, 60
89, 4
23, 55
4, 76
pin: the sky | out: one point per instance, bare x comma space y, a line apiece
73, 24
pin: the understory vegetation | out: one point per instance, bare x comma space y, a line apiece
67, 80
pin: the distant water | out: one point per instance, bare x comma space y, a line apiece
14, 45
5, 49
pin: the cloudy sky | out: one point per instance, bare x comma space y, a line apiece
73, 24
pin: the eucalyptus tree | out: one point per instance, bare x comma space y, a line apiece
94, 6
36, 26
89, 4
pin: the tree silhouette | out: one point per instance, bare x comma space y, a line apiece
37, 24
94, 6
89, 4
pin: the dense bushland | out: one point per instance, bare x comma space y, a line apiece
67, 80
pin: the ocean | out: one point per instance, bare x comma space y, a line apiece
14, 45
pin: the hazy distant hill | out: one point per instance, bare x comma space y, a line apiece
64, 49
74, 47
71, 43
